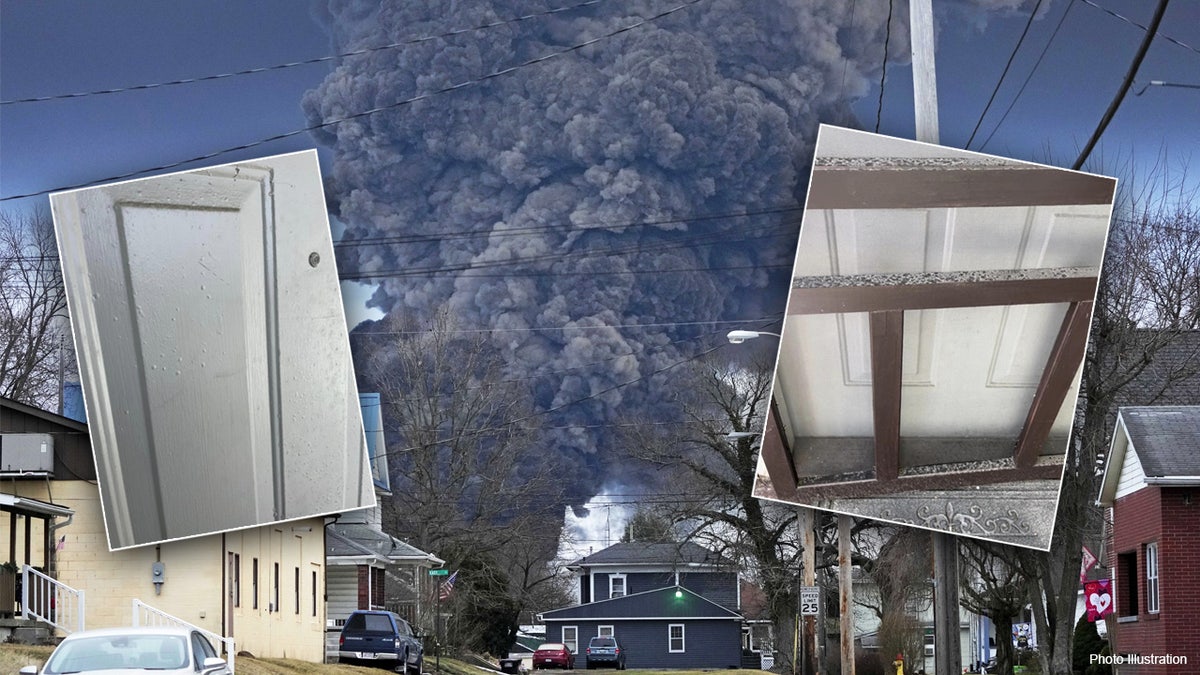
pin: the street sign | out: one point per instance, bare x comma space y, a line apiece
809, 600
439, 573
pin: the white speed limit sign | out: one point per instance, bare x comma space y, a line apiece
809, 600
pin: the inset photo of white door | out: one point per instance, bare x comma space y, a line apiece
213, 349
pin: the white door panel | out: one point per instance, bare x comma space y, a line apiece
213, 349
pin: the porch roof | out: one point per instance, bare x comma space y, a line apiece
36, 508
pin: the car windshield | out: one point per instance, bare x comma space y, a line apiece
604, 642
369, 622
552, 647
110, 652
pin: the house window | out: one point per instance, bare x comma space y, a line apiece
237, 580
570, 638
297, 590
1152, 578
254, 581
1127, 584
604, 631
616, 586
314, 593
675, 638
275, 590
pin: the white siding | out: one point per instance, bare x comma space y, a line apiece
341, 589
1133, 478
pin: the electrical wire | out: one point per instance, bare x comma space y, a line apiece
1125, 85
365, 113
638, 249
561, 406
1028, 77
306, 62
1131, 22
1003, 74
655, 324
553, 227
887, 39
395, 274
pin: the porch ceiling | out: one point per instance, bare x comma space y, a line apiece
937, 321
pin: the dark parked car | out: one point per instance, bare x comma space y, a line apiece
382, 638
605, 651
553, 655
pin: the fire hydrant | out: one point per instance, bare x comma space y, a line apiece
899, 664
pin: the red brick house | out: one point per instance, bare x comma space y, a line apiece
1152, 486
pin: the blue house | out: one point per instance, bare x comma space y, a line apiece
670, 605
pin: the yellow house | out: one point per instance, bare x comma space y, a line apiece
264, 587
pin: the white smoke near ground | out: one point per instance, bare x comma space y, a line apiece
599, 523
710, 110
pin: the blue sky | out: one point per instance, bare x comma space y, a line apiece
55, 47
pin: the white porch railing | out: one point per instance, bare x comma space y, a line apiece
50, 601
145, 615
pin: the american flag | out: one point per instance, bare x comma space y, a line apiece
447, 587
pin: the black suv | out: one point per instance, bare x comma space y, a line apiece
382, 638
605, 650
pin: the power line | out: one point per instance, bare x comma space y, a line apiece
392, 106
551, 227
887, 39
1131, 22
655, 324
576, 256
1003, 74
1028, 77
1125, 84
307, 62
582, 366
561, 406
395, 274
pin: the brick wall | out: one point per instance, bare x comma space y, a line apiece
1179, 573
1169, 517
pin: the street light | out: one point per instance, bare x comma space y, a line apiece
737, 337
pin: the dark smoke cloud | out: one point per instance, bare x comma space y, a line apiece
711, 110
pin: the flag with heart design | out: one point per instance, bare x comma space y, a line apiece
1098, 599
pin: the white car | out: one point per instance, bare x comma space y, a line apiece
116, 651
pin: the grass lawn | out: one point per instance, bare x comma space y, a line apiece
15, 657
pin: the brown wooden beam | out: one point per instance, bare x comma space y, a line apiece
877, 293
887, 369
812, 495
777, 457
906, 187
1057, 377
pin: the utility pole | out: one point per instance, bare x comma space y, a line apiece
846, 594
947, 649
808, 540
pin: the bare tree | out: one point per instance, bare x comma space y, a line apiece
899, 566
469, 482
1147, 301
717, 473
33, 306
992, 583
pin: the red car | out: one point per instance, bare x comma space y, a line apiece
553, 655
